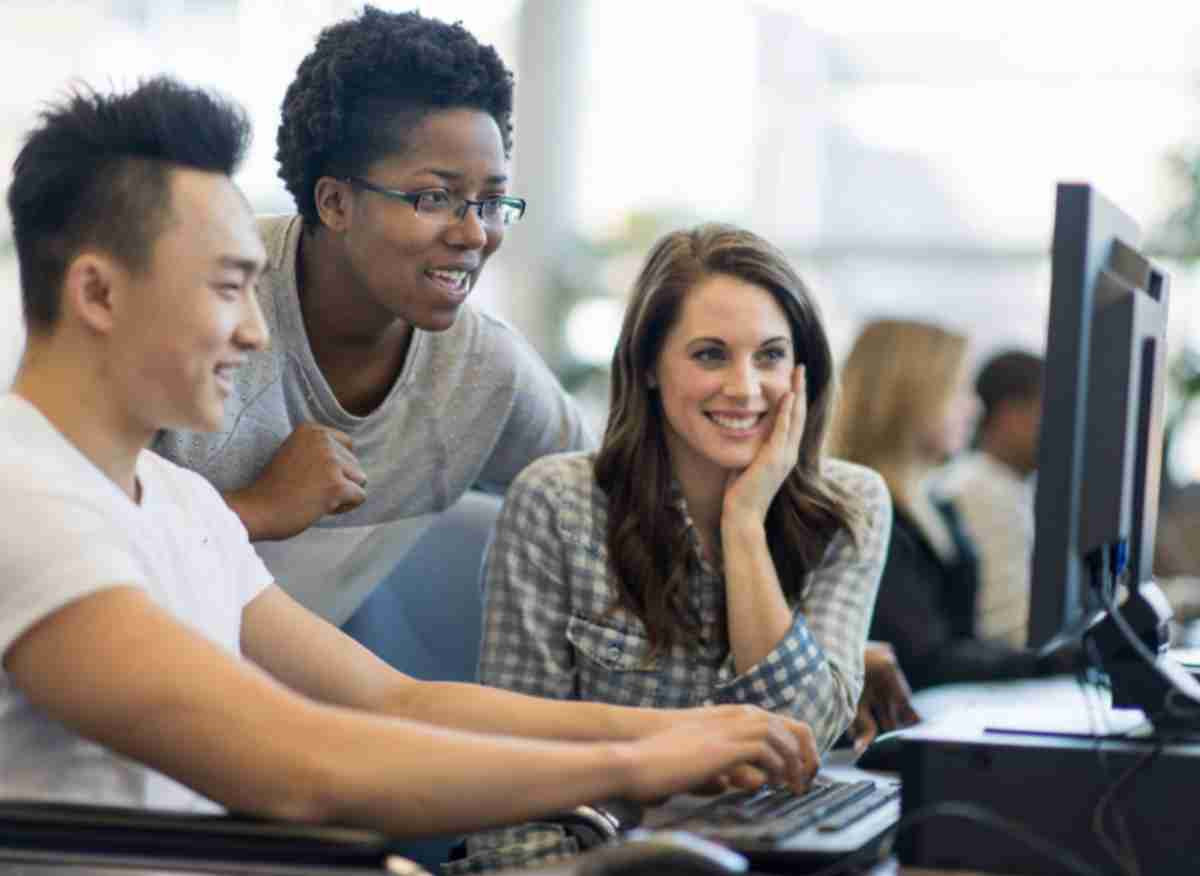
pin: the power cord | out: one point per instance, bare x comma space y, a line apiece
1121, 850
1093, 662
1124, 857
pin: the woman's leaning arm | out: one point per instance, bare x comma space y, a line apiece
757, 613
815, 669
840, 597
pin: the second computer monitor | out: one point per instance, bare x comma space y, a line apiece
1101, 435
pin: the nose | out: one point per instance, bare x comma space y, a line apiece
468, 231
743, 381
252, 333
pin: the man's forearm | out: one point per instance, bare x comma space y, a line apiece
492, 710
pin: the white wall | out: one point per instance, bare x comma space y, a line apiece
12, 335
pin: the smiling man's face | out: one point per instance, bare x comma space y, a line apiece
184, 323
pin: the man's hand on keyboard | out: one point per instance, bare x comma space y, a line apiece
886, 701
743, 745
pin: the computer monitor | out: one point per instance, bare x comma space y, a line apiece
1102, 412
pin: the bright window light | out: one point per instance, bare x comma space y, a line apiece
592, 330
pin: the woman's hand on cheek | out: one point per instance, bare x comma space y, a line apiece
749, 492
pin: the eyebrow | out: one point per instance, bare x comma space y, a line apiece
707, 340
455, 176
249, 266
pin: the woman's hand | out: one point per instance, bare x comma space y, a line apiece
886, 701
749, 492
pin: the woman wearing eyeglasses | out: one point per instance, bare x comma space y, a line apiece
384, 395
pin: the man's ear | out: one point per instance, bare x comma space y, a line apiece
88, 289
334, 205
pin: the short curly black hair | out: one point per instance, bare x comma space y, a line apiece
368, 81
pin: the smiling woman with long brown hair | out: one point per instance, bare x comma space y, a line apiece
708, 552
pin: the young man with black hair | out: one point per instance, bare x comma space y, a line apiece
992, 487
385, 395
148, 658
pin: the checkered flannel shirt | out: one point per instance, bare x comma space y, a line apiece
551, 631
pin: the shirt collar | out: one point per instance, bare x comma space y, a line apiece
679, 503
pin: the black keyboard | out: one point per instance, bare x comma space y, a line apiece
769, 816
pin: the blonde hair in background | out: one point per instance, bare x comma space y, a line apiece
895, 383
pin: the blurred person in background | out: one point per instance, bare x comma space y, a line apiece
992, 487
385, 395
907, 407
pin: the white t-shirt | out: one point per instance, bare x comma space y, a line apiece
66, 531
996, 504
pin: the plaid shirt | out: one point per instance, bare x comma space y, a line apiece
551, 631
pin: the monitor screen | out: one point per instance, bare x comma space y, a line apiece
1101, 435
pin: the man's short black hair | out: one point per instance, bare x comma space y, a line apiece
95, 173
368, 82
1014, 375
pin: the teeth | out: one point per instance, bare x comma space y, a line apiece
453, 277
734, 422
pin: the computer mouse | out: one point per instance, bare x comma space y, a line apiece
653, 853
884, 753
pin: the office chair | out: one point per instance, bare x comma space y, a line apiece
426, 617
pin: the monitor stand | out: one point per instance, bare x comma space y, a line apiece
1133, 651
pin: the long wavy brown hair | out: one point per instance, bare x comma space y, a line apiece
647, 540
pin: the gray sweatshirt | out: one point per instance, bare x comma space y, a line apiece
473, 405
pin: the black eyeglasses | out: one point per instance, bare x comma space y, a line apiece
438, 205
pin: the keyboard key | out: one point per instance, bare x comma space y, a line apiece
810, 813
851, 814
774, 814
780, 802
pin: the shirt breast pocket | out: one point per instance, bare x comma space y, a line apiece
614, 665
